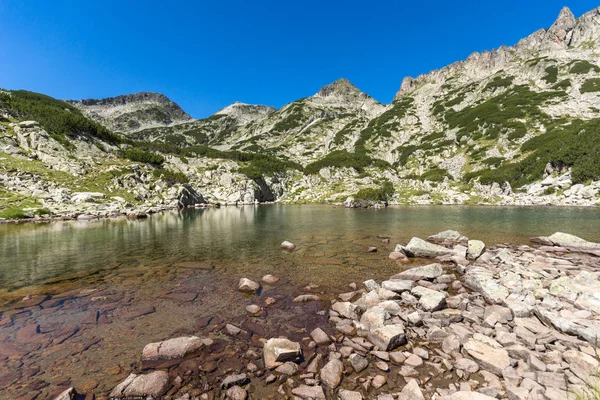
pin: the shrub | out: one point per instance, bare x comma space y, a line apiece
435, 175
170, 177
499, 82
575, 145
551, 74
591, 85
56, 116
344, 159
564, 84
583, 67
382, 193
143, 156
549, 190
493, 161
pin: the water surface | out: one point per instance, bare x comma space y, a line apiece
331, 240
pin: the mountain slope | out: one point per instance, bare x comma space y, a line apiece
516, 125
133, 112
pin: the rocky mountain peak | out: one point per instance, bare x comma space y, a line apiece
559, 35
245, 113
133, 112
341, 87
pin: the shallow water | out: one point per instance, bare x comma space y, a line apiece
79, 300
330, 237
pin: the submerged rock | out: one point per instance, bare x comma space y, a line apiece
248, 286
309, 392
153, 384
69, 394
170, 352
288, 246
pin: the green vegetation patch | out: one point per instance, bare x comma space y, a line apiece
499, 82
56, 116
583, 67
591, 86
575, 144
344, 159
170, 177
380, 194
551, 74
385, 124
562, 85
139, 155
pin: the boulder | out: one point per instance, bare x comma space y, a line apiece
397, 255
331, 373
248, 286
492, 359
411, 391
345, 309
358, 362
475, 248
349, 395
319, 336
420, 248
170, 352
429, 300
481, 280
427, 272
388, 337
305, 298
583, 365
279, 350
270, 279
373, 318
448, 238
153, 385
309, 392
397, 285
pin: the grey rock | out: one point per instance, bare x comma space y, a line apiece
474, 249
358, 362
234, 380
429, 300
153, 384
170, 351
309, 392
411, 391
331, 373
388, 338
247, 285
276, 351
398, 286
422, 249
349, 395
493, 359
427, 272
320, 337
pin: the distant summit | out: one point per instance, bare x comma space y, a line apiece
133, 112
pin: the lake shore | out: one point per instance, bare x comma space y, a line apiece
500, 321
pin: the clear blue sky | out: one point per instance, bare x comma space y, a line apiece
205, 55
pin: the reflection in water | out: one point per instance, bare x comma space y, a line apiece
32, 253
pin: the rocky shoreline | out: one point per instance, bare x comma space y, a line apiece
479, 323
